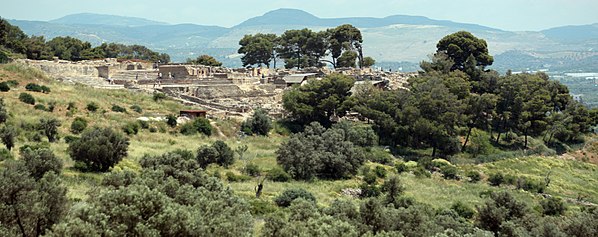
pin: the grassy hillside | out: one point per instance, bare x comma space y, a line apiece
569, 178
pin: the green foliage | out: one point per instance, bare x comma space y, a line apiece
302, 48
259, 123
26, 98
459, 46
277, 174
474, 176
205, 60
449, 172
171, 120
258, 49
159, 96
136, 108
501, 208
496, 179
78, 125
8, 135
40, 161
4, 87
319, 100
318, 152
289, 195
347, 59
380, 172
553, 206
368, 62
98, 149
118, 109
3, 112
463, 210
92, 107
201, 125
40, 107
252, 170
131, 128
5, 154
49, 127
218, 153
232, 177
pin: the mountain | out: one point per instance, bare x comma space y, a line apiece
102, 19
390, 40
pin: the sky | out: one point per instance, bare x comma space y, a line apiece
514, 15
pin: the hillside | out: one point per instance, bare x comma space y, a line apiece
392, 39
570, 179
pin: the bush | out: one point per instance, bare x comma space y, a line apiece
252, 170
288, 196
45, 89
421, 172
40, 107
449, 172
70, 138
218, 153
8, 135
4, 86
27, 98
171, 120
92, 107
51, 106
232, 177
49, 127
496, 179
159, 96
143, 124
5, 155
474, 176
98, 149
463, 210
259, 123
12, 83
136, 108
380, 171
553, 206
131, 128
33, 87
318, 152
277, 174
401, 167
201, 125
118, 109
78, 125
71, 106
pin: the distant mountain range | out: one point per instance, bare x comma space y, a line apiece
394, 41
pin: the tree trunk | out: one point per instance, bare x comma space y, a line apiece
466, 139
525, 135
434, 151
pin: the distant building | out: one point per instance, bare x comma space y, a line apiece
294, 79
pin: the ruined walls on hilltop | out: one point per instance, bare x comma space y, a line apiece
62, 69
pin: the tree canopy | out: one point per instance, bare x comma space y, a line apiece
459, 46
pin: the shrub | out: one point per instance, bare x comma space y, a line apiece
463, 210
70, 138
45, 89
259, 123
71, 106
201, 125
277, 174
232, 177
27, 98
449, 172
136, 108
171, 120
5, 155
369, 177
78, 125
8, 135
131, 128
288, 196
553, 206
159, 96
51, 106
118, 109
4, 86
421, 172
218, 153
40, 161
92, 107
40, 107
496, 179
49, 127
318, 152
401, 167
12, 83
98, 149
33, 87
474, 176
143, 124
380, 171
252, 170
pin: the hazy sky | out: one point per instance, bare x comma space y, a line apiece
503, 14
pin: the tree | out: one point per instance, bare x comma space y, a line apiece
171, 120
218, 153
39, 161
49, 127
78, 125
319, 100
259, 123
206, 60
68, 48
98, 149
318, 152
347, 59
302, 48
37, 49
3, 112
258, 49
342, 39
502, 207
29, 205
289, 195
12, 38
368, 62
8, 134
459, 46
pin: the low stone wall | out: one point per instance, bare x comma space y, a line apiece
60, 69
